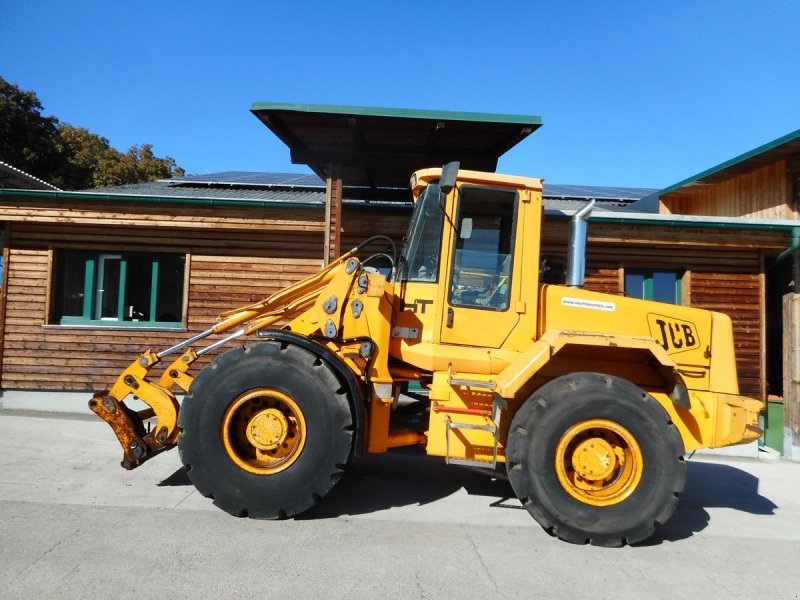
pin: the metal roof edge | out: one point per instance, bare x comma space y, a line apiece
684, 220
27, 176
789, 137
144, 199
375, 111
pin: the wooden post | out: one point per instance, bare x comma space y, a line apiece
5, 244
791, 375
762, 317
333, 213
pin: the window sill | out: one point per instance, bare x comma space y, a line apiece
115, 328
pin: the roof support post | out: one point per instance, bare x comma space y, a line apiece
333, 212
5, 252
791, 376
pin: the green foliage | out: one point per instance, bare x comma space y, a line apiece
69, 157
27, 138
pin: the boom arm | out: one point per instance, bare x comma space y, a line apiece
138, 444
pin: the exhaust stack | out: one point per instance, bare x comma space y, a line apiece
576, 261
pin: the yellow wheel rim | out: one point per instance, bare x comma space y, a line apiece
263, 431
599, 462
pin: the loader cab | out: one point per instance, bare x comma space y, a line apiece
468, 276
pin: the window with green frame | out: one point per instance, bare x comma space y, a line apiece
118, 288
661, 286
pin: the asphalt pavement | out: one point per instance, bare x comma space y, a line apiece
73, 524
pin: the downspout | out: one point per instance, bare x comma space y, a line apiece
576, 260
794, 247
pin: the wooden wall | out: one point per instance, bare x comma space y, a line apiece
363, 221
740, 295
763, 193
236, 256
233, 257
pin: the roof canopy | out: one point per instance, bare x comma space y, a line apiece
381, 147
787, 146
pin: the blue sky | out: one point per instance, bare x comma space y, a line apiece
630, 93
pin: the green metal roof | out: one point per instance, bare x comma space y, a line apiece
381, 147
779, 149
403, 113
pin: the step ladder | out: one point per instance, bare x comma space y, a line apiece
495, 415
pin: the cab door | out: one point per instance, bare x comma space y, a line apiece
481, 294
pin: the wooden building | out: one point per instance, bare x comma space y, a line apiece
763, 183
93, 278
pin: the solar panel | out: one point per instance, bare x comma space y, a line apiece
253, 178
586, 191
256, 179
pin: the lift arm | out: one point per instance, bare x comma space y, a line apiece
139, 444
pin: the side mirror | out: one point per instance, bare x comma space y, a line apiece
449, 176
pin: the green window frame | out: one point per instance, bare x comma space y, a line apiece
659, 285
119, 289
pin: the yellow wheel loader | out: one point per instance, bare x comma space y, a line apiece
589, 400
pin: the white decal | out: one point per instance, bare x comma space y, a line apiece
590, 304
409, 333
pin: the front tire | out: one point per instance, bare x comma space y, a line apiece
596, 459
266, 430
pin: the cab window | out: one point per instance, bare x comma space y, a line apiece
420, 261
482, 261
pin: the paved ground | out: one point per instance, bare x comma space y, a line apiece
73, 524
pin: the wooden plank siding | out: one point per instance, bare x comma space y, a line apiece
362, 221
236, 256
207, 218
739, 296
763, 193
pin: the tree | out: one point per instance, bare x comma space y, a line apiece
84, 153
151, 167
27, 138
67, 156
92, 162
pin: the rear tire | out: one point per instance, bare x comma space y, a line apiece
595, 459
266, 430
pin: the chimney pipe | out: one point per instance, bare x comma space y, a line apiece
576, 261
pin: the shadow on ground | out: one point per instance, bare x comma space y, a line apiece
712, 485
400, 478
178, 478
379, 482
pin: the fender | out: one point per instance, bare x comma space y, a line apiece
520, 371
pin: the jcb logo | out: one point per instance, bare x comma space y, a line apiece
674, 335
